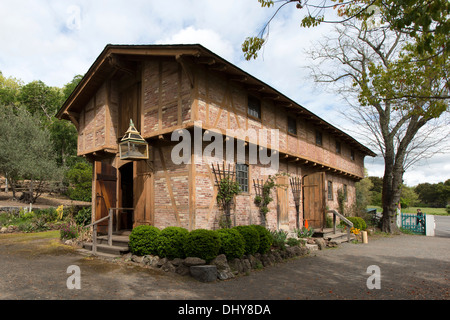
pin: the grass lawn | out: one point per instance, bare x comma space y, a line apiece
432, 211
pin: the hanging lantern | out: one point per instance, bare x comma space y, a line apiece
133, 146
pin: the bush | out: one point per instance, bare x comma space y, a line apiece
265, 239
232, 243
170, 241
251, 237
143, 240
358, 223
84, 216
68, 232
293, 242
279, 238
80, 181
447, 208
202, 243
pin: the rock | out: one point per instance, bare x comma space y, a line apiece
177, 261
161, 262
204, 273
193, 261
236, 266
255, 263
223, 269
168, 267
246, 266
277, 256
321, 243
3, 230
137, 259
153, 261
266, 260
127, 256
182, 270
146, 259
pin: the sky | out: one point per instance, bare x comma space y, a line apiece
53, 41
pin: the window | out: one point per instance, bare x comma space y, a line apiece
318, 138
292, 126
254, 107
338, 147
242, 176
330, 190
352, 155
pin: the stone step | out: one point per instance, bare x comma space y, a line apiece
105, 248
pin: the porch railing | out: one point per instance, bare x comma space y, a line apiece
346, 221
110, 218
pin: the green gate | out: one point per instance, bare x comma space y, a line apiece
414, 223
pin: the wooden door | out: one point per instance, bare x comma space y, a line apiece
313, 199
282, 202
143, 193
105, 191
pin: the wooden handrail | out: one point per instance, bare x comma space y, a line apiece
94, 224
348, 222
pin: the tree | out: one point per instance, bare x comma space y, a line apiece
26, 150
382, 77
425, 21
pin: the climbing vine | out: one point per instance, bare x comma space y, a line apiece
227, 189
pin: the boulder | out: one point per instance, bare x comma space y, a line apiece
193, 261
182, 270
321, 243
236, 266
246, 266
204, 273
168, 267
223, 269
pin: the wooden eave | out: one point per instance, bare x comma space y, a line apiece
104, 66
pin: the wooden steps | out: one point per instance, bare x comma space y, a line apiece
329, 235
119, 245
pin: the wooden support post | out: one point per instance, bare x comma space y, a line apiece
94, 240
110, 227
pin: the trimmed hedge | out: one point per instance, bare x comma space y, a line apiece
251, 237
142, 240
232, 243
170, 241
202, 243
265, 239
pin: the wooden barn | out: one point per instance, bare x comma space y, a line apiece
183, 88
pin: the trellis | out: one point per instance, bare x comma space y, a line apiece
221, 173
296, 186
258, 184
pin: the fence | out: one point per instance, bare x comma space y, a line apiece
414, 223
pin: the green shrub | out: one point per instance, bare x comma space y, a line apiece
251, 237
358, 223
293, 242
202, 243
170, 241
265, 239
84, 216
143, 240
80, 181
447, 208
232, 243
279, 238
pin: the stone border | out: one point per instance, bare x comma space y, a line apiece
219, 268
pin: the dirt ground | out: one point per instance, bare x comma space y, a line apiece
44, 201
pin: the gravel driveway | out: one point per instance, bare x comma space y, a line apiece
411, 267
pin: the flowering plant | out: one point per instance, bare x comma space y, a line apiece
354, 230
60, 211
68, 231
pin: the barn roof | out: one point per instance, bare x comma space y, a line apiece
106, 63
